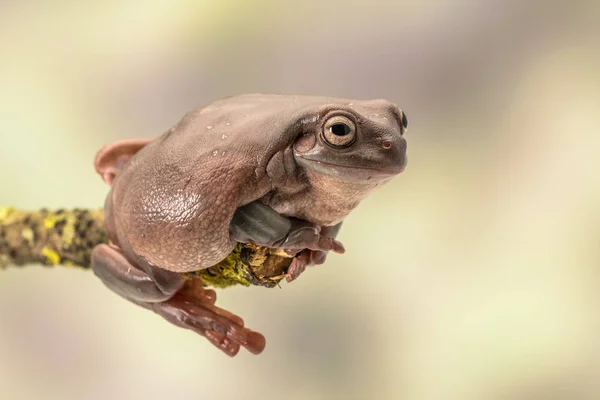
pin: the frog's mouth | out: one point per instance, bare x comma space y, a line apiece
349, 172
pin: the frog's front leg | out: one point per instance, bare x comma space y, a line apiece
259, 224
185, 303
311, 257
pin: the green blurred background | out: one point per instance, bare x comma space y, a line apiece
473, 275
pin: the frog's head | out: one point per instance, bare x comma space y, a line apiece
360, 141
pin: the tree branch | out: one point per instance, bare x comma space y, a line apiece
67, 237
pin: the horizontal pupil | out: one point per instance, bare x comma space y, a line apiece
339, 129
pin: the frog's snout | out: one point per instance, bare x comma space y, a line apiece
395, 152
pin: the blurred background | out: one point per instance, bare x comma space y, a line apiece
473, 275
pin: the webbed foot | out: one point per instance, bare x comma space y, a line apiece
184, 303
194, 308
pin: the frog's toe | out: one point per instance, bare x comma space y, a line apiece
194, 309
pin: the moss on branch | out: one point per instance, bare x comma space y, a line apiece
67, 237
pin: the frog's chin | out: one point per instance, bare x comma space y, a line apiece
355, 173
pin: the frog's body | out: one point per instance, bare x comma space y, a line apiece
278, 171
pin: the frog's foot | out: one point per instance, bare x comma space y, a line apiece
302, 260
305, 235
194, 308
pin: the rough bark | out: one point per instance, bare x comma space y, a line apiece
67, 237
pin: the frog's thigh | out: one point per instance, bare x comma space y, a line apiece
125, 279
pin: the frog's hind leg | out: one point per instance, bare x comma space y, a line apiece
184, 303
127, 280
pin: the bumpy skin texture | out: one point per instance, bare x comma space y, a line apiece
279, 171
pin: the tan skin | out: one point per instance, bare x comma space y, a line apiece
278, 171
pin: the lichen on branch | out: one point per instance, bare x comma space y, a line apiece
67, 238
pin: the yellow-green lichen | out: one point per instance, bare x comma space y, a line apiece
5, 212
229, 272
68, 230
27, 234
51, 220
52, 256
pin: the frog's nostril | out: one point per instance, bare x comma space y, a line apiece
387, 144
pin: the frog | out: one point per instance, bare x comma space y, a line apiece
280, 171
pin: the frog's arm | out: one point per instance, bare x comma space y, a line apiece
67, 237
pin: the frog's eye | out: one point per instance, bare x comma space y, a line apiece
339, 131
404, 121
